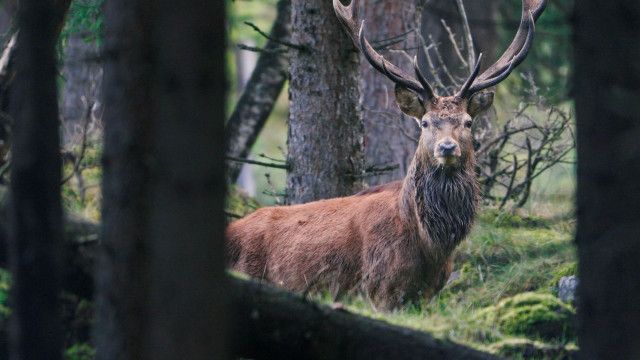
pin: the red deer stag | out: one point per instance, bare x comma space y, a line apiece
392, 242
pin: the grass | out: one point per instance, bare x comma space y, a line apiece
508, 254
505, 256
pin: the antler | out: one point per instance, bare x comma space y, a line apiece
515, 53
512, 57
346, 15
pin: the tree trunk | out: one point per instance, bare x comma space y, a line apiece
390, 136
607, 91
8, 65
35, 206
160, 281
325, 128
273, 324
262, 91
82, 71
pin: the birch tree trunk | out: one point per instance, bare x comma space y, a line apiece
35, 205
261, 93
160, 281
607, 93
325, 128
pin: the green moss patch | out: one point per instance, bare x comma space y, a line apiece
518, 348
531, 314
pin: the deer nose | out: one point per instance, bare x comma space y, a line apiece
447, 148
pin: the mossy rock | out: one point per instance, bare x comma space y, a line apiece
562, 271
518, 348
240, 204
532, 315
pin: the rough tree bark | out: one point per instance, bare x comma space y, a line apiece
35, 208
607, 93
390, 136
262, 91
325, 128
160, 280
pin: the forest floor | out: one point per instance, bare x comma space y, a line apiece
502, 297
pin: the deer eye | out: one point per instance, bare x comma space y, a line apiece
468, 124
424, 123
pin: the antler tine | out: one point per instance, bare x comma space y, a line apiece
508, 68
428, 90
346, 15
464, 91
517, 50
394, 73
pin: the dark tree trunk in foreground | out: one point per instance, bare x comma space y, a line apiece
160, 281
8, 67
390, 136
35, 209
270, 323
607, 91
261, 93
325, 127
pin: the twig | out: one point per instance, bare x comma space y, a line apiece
452, 39
83, 146
259, 163
471, 52
278, 41
261, 50
272, 159
513, 178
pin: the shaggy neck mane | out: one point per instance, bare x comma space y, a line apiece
443, 201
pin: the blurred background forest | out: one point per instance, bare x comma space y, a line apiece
541, 80
506, 295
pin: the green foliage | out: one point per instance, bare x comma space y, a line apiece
5, 285
85, 17
531, 314
83, 197
81, 351
239, 203
261, 13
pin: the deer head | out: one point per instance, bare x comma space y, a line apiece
446, 121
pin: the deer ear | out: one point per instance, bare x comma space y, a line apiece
409, 102
480, 102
